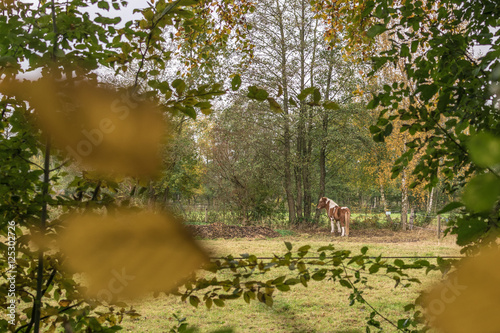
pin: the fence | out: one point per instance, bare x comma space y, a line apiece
202, 213
411, 222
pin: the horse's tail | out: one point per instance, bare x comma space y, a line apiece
347, 220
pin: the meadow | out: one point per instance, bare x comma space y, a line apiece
322, 307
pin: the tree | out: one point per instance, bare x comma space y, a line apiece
290, 57
64, 47
450, 101
243, 160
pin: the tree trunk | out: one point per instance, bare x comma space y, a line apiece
298, 184
412, 218
430, 201
382, 196
301, 167
404, 201
286, 125
37, 303
309, 140
322, 152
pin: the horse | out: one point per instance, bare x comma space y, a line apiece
336, 213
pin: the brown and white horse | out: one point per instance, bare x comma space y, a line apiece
336, 213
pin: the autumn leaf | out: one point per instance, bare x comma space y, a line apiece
130, 254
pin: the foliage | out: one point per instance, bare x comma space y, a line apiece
449, 101
66, 40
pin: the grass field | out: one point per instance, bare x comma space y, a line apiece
322, 307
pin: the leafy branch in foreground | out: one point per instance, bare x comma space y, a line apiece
339, 266
448, 104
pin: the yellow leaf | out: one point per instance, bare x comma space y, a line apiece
469, 299
130, 254
100, 128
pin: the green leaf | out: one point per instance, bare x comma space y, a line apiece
405, 50
451, 206
427, 91
283, 287
304, 248
194, 301
236, 82
292, 281
275, 106
189, 111
399, 262
375, 129
414, 46
388, 130
374, 268
179, 85
316, 95
246, 297
345, 283
375, 30
288, 246
203, 105
484, 149
319, 275
186, 3
268, 300
103, 5
469, 229
7, 61
331, 106
306, 92
482, 192
257, 93
409, 307
219, 302
208, 303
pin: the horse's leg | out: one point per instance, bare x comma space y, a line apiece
347, 221
342, 220
338, 226
332, 221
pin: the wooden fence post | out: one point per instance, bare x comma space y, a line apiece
439, 227
412, 218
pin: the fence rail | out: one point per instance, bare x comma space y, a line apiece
318, 258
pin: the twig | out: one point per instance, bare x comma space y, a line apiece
49, 281
60, 166
47, 316
364, 300
148, 40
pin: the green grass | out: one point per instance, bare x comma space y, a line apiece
285, 232
322, 307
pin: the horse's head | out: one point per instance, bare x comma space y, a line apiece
322, 203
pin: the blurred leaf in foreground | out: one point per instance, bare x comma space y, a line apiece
469, 299
100, 128
130, 254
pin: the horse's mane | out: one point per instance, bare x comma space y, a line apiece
328, 201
